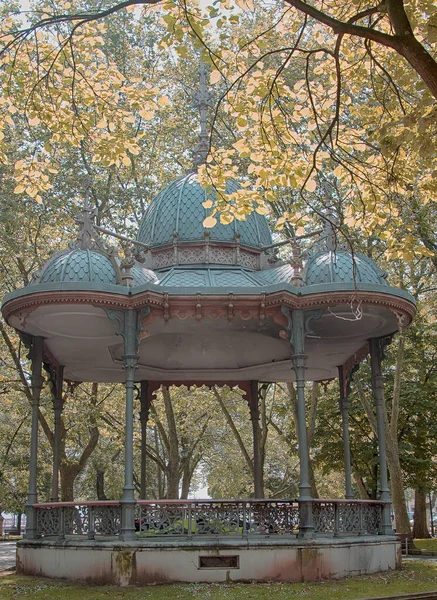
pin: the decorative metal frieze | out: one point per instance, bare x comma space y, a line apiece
162, 259
222, 256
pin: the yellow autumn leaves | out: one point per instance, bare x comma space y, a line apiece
66, 95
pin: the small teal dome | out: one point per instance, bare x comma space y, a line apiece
79, 265
178, 209
341, 266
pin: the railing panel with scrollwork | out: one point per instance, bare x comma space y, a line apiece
347, 517
88, 519
274, 517
217, 517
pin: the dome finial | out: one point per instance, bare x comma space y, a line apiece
330, 222
203, 100
86, 232
87, 236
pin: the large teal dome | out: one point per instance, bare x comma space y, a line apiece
178, 209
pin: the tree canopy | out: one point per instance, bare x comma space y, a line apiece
333, 96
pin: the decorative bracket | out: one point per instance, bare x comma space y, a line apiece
130, 325
299, 325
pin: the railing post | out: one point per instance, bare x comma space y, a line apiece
361, 529
91, 523
61, 522
244, 532
190, 520
336, 519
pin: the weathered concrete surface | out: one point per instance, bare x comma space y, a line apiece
170, 561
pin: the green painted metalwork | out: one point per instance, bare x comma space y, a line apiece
79, 265
235, 277
142, 276
340, 267
178, 210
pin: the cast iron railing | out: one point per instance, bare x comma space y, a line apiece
196, 518
217, 517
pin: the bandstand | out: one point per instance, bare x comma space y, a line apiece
194, 306
203, 307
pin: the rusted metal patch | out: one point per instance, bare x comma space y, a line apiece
219, 562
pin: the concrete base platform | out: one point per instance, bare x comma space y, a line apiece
212, 560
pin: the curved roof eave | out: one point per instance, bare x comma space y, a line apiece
81, 286
209, 290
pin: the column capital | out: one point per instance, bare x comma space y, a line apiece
130, 361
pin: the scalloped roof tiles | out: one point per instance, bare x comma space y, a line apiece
232, 277
142, 276
79, 265
178, 208
342, 267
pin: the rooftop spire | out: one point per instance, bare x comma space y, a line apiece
330, 222
86, 232
203, 100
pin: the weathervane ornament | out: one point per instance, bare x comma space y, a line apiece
86, 232
203, 100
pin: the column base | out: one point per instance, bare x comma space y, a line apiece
127, 530
306, 534
306, 523
386, 525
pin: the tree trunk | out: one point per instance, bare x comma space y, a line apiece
186, 480
392, 448
19, 515
420, 526
69, 470
68, 474
364, 495
100, 485
173, 448
397, 488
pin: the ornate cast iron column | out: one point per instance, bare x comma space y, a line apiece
297, 324
58, 404
254, 418
130, 364
35, 355
144, 417
129, 327
344, 409
376, 346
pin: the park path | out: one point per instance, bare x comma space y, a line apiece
7, 555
